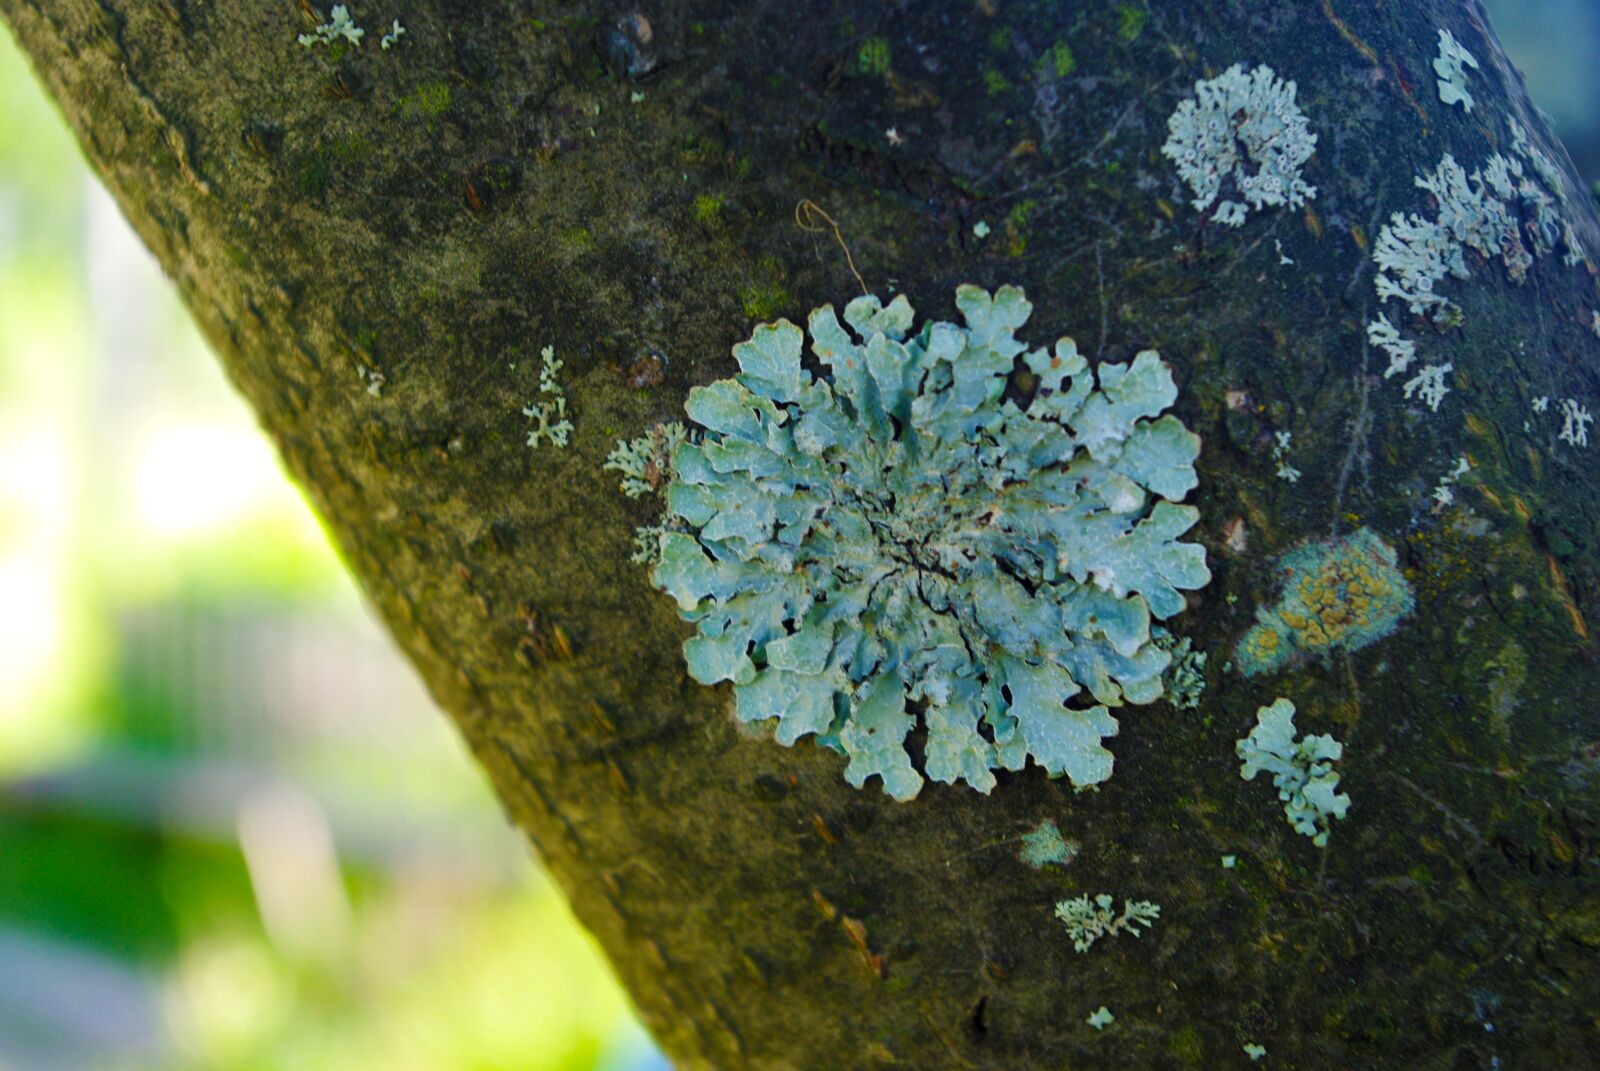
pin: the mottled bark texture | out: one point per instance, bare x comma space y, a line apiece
515, 175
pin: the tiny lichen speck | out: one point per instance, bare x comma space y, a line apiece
1280, 456
1302, 770
1450, 66
903, 537
1345, 593
1241, 135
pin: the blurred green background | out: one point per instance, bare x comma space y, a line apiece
234, 834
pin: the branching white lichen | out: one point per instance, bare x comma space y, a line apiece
1575, 421
647, 545
1088, 922
1429, 385
1413, 255
392, 38
646, 467
1443, 495
373, 378
1242, 135
339, 24
1101, 1018
1451, 67
646, 462
1500, 212
1280, 457
1546, 168
1384, 335
549, 415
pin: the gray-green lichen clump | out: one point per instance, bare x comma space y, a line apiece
1302, 770
902, 538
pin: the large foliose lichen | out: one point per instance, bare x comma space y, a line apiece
920, 534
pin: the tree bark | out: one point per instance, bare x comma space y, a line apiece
379, 242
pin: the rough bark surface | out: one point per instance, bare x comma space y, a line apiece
515, 175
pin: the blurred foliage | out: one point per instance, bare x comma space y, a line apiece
234, 833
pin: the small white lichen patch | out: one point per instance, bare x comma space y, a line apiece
980, 229
392, 38
1451, 67
1429, 385
1541, 403
1443, 495
1546, 168
1241, 135
1386, 336
373, 378
1280, 457
1575, 421
339, 24
1254, 1051
1101, 1019
550, 415
1413, 254
1088, 922
1283, 258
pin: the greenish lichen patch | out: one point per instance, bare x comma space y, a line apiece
1045, 846
872, 57
901, 541
1302, 770
1060, 59
1184, 681
1342, 594
428, 101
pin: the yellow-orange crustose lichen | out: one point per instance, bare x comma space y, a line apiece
1343, 593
